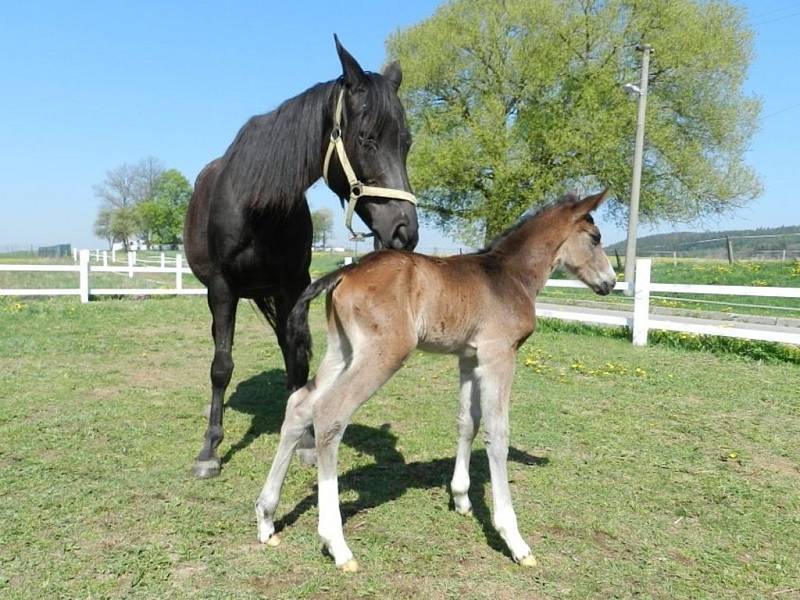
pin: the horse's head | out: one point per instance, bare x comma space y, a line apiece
582, 253
376, 141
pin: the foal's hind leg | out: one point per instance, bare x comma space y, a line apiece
332, 413
222, 302
495, 373
469, 419
295, 424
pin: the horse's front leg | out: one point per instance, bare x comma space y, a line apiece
222, 302
495, 373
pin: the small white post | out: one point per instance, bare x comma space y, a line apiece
178, 271
134, 258
105, 258
641, 301
162, 260
674, 259
783, 256
84, 276
348, 260
130, 264
97, 255
74, 255
113, 255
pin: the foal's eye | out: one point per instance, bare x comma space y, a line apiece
595, 239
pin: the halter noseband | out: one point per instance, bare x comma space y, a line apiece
357, 188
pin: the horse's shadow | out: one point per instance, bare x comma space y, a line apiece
389, 477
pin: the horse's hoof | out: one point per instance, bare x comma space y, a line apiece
351, 566
463, 512
203, 469
273, 540
528, 561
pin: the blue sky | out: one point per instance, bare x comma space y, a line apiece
86, 86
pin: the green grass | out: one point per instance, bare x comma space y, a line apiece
651, 472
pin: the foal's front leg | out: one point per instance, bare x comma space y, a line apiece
469, 419
495, 373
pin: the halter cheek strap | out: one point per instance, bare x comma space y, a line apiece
357, 188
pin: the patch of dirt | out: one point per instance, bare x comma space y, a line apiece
779, 465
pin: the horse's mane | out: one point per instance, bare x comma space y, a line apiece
276, 156
529, 215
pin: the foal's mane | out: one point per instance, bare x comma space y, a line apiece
529, 215
276, 156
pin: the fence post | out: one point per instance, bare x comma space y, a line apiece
130, 264
641, 301
178, 271
74, 255
113, 255
162, 260
674, 259
97, 255
84, 276
105, 258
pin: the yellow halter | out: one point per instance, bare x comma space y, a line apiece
357, 189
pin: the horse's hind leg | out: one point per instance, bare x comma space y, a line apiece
276, 310
222, 302
469, 419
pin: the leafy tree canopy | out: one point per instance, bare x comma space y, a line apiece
512, 102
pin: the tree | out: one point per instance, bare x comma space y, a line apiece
161, 215
322, 220
103, 225
125, 225
512, 102
129, 184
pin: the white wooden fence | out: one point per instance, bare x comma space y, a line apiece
640, 321
85, 269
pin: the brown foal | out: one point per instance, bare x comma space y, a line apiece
477, 306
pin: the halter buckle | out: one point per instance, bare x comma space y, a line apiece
356, 190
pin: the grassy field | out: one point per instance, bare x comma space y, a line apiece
636, 472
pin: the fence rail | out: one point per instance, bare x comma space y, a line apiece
639, 320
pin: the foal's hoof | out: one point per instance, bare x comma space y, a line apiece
273, 540
528, 561
351, 566
308, 456
203, 469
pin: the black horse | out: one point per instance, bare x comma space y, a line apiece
248, 228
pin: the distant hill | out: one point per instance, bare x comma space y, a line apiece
747, 243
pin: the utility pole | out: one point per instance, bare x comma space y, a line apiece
633, 212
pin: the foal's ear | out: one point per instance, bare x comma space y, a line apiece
394, 74
590, 203
351, 70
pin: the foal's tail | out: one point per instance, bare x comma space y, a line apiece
298, 335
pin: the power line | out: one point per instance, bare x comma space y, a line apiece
790, 6
775, 20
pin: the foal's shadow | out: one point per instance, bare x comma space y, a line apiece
389, 477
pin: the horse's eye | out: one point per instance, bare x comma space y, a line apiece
367, 141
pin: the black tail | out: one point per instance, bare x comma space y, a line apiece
298, 335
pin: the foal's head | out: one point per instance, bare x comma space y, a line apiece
582, 253
377, 141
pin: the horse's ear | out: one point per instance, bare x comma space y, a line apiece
351, 70
394, 74
586, 205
